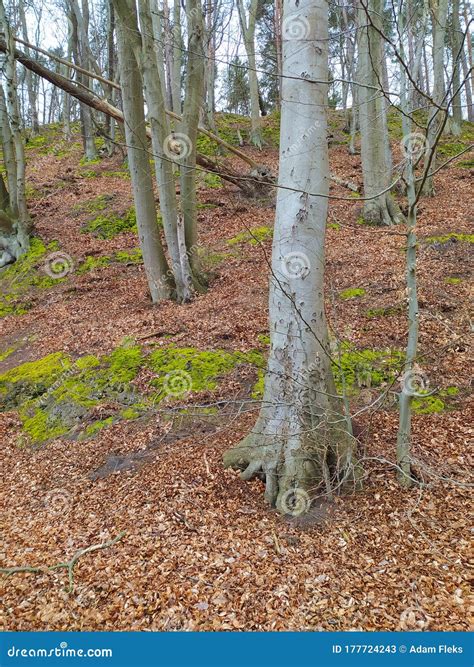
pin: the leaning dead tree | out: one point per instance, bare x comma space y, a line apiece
250, 184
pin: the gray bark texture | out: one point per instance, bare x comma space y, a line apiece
301, 443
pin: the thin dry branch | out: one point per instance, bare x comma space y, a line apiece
67, 565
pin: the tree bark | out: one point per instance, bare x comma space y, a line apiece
301, 443
160, 136
248, 33
189, 129
379, 208
156, 268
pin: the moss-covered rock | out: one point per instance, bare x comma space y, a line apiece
28, 272
56, 396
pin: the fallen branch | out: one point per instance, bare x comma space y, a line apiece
68, 565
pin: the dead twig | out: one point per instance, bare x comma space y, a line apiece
68, 565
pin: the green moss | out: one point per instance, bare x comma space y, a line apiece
450, 149
26, 273
466, 164
102, 261
87, 173
6, 354
94, 205
427, 406
451, 236
387, 311
450, 391
259, 386
334, 225
195, 370
452, 281
213, 181
41, 427
32, 379
91, 263
55, 396
97, 426
134, 256
37, 141
366, 368
108, 226
253, 236
124, 364
263, 339
116, 174
85, 161
352, 293
130, 413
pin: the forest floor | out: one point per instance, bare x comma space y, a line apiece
200, 550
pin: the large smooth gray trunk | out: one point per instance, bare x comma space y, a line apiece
301, 444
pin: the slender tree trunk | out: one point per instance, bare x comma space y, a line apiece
189, 128
32, 101
277, 29
177, 57
110, 123
161, 137
15, 223
379, 208
439, 16
79, 22
158, 275
456, 54
248, 33
300, 444
467, 86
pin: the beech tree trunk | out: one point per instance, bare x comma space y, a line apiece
15, 223
439, 17
161, 137
379, 208
301, 444
194, 95
248, 34
158, 275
